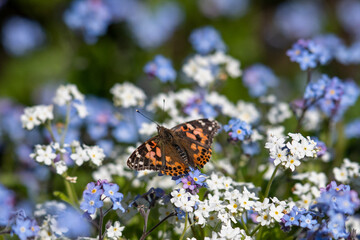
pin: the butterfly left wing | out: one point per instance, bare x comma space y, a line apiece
195, 138
147, 156
157, 156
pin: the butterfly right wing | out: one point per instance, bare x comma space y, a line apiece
157, 156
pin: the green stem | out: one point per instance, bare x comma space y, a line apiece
244, 225
71, 193
270, 182
48, 127
185, 227
255, 230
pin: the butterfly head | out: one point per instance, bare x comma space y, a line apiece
165, 133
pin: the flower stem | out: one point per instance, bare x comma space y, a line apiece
48, 127
101, 224
244, 225
71, 193
185, 227
255, 230
158, 224
270, 182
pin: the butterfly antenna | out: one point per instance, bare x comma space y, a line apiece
147, 117
164, 105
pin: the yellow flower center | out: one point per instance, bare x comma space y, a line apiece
93, 191
235, 205
189, 183
22, 229
238, 131
195, 179
92, 202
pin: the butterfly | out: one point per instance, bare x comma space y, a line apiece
173, 151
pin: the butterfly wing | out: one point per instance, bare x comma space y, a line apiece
157, 156
195, 138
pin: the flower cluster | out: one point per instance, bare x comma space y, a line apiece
24, 227
37, 115
151, 26
83, 154
238, 129
127, 95
309, 54
161, 68
206, 40
331, 95
21, 36
204, 70
289, 154
258, 78
348, 172
95, 194
192, 181
328, 218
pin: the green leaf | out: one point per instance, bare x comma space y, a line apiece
62, 196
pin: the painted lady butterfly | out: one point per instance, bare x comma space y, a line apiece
174, 150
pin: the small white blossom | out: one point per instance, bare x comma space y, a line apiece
43, 154
80, 156
34, 116
115, 231
81, 109
276, 212
66, 93
127, 95
96, 154
279, 113
60, 167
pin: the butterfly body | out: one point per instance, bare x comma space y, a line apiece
174, 150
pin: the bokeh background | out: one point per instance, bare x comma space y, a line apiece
97, 43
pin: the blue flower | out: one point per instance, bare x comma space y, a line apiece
306, 60
90, 203
161, 68
125, 132
20, 36
258, 78
352, 130
250, 148
152, 27
206, 39
297, 19
22, 228
307, 221
7, 201
238, 130
117, 204
111, 190
76, 224
90, 17
292, 218
93, 189
198, 177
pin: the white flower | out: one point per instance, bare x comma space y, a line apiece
81, 109
227, 232
66, 93
247, 112
279, 156
43, 154
279, 113
34, 116
301, 189
202, 212
115, 231
276, 212
341, 174
96, 154
80, 156
185, 202
292, 162
60, 167
127, 95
